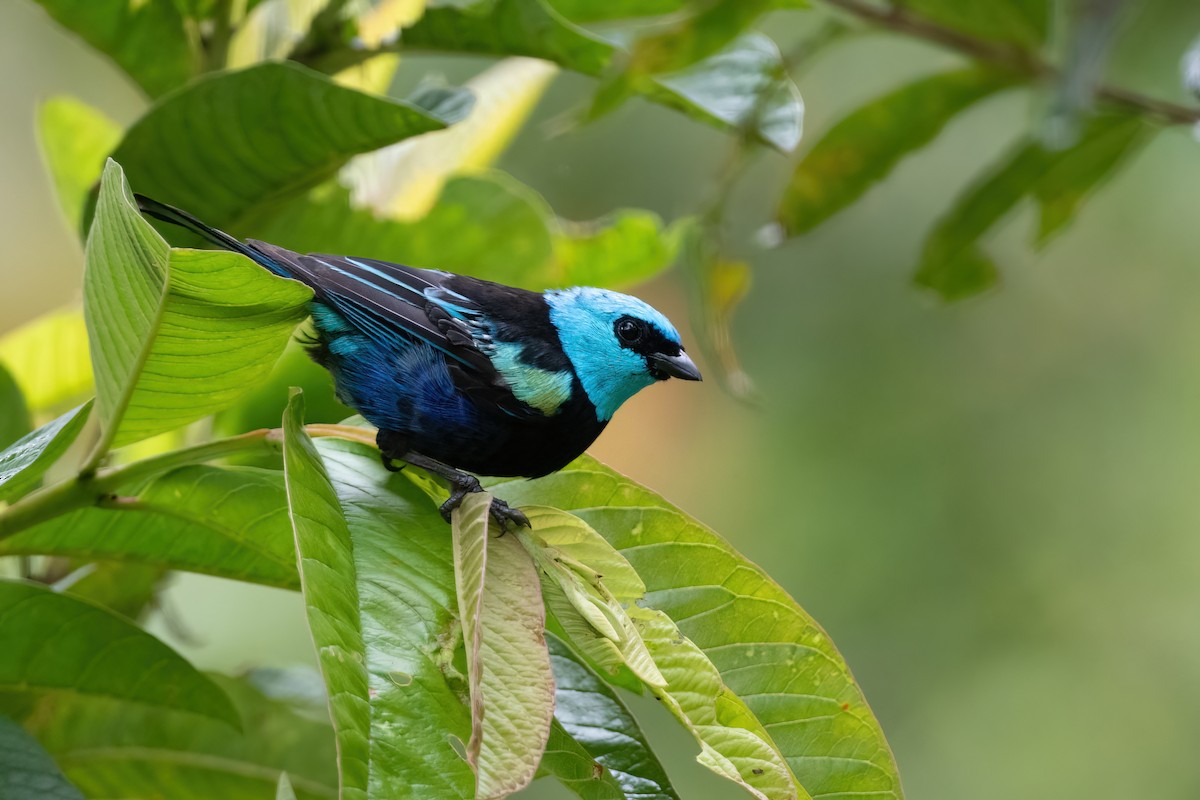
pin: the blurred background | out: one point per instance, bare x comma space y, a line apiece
992, 506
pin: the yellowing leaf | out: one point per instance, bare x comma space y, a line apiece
49, 359
403, 181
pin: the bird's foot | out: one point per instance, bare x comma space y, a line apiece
501, 512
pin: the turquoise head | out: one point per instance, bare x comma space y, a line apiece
617, 344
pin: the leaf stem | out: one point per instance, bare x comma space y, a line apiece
899, 19
98, 488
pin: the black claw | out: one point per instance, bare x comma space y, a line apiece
390, 464
501, 512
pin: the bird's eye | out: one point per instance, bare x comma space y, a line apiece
628, 330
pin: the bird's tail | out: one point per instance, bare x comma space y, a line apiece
223, 240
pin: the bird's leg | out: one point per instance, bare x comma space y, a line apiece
462, 484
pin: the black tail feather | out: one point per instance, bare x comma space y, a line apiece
210, 234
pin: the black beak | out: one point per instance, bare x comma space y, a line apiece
679, 366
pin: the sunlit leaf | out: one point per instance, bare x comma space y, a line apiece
218, 151
595, 717
508, 666
24, 462
733, 742
863, 147
54, 643
27, 772
230, 522
75, 139
402, 182
721, 90
158, 318
489, 226
113, 749
768, 650
49, 359
146, 39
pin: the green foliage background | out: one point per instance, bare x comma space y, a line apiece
991, 506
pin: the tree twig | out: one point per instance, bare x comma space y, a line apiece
901, 20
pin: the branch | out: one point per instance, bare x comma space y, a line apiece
901, 20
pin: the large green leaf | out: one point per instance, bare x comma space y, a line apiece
1020, 22
230, 522
327, 578
392, 580
233, 141
768, 651
160, 318
75, 139
489, 226
146, 39
862, 148
54, 643
508, 665
49, 358
596, 718
27, 772
26, 460
722, 90
117, 750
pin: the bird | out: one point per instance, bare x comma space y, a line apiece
462, 376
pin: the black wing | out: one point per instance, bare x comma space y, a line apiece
393, 303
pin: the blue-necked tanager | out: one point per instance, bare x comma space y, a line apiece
465, 375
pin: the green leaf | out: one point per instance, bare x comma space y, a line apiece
56, 643
75, 138
1073, 174
217, 150
568, 761
862, 148
24, 462
768, 651
596, 718
14, 415
488, 226
403, 181
327, 578
603, 10
119, 750
1020, 22
598, 585
229, 522
508, 666
285, 791
49, 359
393, 581
160, 318
127, 589
27, 772
952, 263
721, 90
733, 742
146, 39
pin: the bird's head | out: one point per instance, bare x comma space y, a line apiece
617, 344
